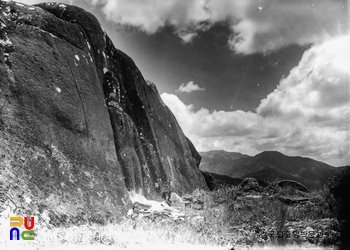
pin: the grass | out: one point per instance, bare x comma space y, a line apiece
230, 218
124, 236
121, 236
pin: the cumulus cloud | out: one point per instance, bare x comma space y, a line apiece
317, 87
269, 25
189, 87
257, 26
307, 114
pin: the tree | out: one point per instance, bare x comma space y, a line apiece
339, 187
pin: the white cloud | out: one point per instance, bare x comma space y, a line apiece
318, 86
257, 26
189, 87
308, 114
269, 25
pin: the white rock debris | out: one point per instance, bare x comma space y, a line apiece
77, 57
86, 59
88, 44
149, 207
58, 89
63, 6
5, 41
90, 58
52, 35
44, 31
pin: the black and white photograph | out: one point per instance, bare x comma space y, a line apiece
175, 124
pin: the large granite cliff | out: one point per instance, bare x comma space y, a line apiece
79, 125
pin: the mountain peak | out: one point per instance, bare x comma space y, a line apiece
268, 166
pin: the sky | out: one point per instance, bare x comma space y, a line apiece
243, 75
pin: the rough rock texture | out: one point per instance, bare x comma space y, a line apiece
291, 199
292, 184
79, 126
210, 180
250, 184
197, 157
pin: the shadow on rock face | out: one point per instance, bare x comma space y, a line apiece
79, 126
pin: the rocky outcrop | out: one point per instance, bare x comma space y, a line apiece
79, 125
291, 199
292, 184
250, 184
196, 156
210, 180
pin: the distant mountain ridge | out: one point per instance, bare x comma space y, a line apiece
268, 166
223, 163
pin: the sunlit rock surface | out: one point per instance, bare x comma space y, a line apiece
79, 126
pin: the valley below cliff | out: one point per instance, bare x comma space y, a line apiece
268, 166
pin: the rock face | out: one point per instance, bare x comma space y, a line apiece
79, 125
292, 184
250, 184
197, 157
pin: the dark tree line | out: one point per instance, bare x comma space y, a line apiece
339, 187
